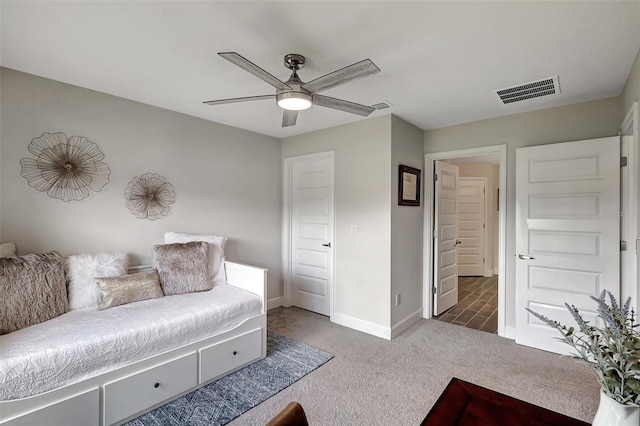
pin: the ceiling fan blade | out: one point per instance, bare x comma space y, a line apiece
341, 76
249, 66
289, 118
342, 105
233, 100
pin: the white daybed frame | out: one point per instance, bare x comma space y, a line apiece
123, 394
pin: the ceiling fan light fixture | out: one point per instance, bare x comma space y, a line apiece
295, 95
294, 101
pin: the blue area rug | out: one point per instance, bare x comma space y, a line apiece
287, 361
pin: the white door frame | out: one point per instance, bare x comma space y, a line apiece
427, 279
629, 127
286, 225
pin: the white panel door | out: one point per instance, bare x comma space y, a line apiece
312, 233
567, 234
471, 227
445, 237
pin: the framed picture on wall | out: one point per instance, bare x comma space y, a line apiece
408, 186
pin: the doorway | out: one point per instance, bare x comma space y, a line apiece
476, 304
483, 292
477, 307
309, 231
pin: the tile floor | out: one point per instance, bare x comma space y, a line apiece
477, 306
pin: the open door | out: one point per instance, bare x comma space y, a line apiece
567, 234
445, 237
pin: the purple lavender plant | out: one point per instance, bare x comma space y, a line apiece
612, 351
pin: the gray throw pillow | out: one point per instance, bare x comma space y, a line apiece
32, 290
130, 288
183, 268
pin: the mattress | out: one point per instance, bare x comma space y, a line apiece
82, 344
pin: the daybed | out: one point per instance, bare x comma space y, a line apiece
103, 367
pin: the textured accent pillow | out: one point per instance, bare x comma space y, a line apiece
32, 290
7, 249
183, 268
216, 252
131, 288
82, 270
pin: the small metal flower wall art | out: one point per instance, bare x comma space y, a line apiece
65, 168
149, 196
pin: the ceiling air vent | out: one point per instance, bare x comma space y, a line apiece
534, 89
381, 105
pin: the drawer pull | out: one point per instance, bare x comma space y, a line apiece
156, 385
235, 352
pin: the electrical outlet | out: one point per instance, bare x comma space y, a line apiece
398, 299
354, 230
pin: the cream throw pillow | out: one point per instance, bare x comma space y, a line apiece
82, 270
183, 268
216, 252
131, 288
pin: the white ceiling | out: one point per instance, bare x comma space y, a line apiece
440, 61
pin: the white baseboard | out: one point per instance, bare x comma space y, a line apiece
275, 302
362, 325
397, 329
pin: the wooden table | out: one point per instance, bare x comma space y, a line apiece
466, 404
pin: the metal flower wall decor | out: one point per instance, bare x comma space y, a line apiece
149, 196
65, 168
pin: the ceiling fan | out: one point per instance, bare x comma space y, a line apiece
294, 94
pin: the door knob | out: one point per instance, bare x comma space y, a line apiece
457, 242
326, 245
525, 256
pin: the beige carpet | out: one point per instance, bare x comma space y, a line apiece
377, 382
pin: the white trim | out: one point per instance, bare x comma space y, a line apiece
427, 280
400, 327
630, 122
629, 127
275, 302
286, 224
362, 325
509, 332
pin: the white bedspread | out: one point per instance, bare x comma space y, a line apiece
83, 344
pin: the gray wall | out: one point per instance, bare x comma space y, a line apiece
362, 171
227, 181
385, 257
406, 224
586, 120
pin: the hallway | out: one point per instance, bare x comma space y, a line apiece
477, 306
